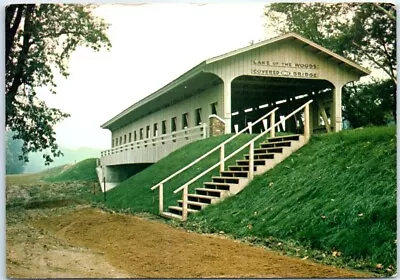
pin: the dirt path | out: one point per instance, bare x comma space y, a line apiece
33, 252
91, 243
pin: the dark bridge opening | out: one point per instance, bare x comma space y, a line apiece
254, 96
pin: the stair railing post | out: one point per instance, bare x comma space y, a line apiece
272, 118
161, 198
251, 161
222, 158
307, 122
184, 203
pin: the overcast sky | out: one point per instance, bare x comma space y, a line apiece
152, 45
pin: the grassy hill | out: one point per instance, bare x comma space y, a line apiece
336, 194
134, 194
84, 170
71, 156
81, 171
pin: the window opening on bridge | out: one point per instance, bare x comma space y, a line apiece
134, 136
155, 130
125, 139
130, 137
148, 131
198, 116
141, 134
120, 140
112, 143
185, 120
116, 141
164, 127
214, 108
173, 124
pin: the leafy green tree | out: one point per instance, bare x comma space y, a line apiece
14, 163
359, 31
363, 32
369, 104
39, 42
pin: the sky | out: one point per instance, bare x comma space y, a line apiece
152, 44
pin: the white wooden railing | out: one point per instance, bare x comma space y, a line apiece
185, 186
220, 147
187, 133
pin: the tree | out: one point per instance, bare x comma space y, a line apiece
359, 31
14, 163
39, 42
369, 104
363, 32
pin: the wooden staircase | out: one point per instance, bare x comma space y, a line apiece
237, 177
233, 179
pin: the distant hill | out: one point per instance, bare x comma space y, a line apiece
71, 156
84, 170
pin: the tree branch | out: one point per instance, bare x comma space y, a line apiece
390, 15
376, 62
389, 60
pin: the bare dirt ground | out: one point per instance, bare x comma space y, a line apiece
85, 242
33, 252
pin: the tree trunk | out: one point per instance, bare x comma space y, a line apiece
12, 26
12, 90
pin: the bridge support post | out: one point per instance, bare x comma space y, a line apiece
227, 105
307, 122
336, 118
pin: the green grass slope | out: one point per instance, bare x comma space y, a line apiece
84, 170
134, 194
338, 193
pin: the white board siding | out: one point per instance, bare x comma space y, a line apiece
285, 51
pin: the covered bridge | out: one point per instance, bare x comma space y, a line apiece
223, 94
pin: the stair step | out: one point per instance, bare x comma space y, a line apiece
210, 192
268, 150
233, 178
170, 215
201, 198
294, 137
193, 204
276, 144
261, 156
246, 162
230, 173
224, 179
219, 186
240, 168
177, 208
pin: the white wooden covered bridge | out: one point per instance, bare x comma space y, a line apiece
224, 94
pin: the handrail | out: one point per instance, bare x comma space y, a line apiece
154, 140
241, 148
212, 150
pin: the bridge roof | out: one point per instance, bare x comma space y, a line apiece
175, 90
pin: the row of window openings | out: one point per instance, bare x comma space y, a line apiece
185, 124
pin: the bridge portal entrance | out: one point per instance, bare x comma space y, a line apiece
254, 96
